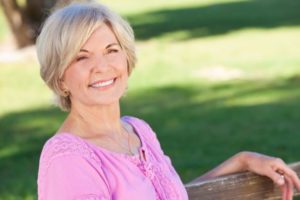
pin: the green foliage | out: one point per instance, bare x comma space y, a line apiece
213, 78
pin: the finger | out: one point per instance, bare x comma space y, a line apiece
294, 178
277, 178
288, 172
290, 188
283, 191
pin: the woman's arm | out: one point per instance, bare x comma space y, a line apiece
232, 165
271, 167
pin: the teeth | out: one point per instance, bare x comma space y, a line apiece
102, 84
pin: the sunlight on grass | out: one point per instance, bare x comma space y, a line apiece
239, 93
29, 90
14, 197
263, 97
134, 7
9, 151
183, 61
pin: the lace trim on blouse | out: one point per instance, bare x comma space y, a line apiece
63, 145
165, 189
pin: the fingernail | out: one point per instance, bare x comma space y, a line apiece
281, 180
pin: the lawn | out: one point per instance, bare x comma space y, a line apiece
213, 78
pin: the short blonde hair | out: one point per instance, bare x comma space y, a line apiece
66, 31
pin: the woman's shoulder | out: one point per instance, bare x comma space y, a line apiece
65, 162
142, 128
136, 122
64, 145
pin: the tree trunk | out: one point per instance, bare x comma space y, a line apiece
25, 21
18, 23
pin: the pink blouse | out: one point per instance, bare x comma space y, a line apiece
73, 169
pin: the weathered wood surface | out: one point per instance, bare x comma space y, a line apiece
239, 186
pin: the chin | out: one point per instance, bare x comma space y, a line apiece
108, 101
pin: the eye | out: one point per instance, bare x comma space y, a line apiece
112, 51
79, 58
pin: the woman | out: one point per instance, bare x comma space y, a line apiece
87, 53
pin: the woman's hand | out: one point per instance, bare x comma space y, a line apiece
271, 167
274, 168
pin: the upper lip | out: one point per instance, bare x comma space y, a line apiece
101, 81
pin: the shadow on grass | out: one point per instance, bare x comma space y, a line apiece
216, 19
22, 136
196, 132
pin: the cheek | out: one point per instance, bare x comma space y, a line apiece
122, 69
73, 78
121, 62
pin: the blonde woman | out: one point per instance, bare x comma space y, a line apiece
86, 53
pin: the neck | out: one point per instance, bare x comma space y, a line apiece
92, 121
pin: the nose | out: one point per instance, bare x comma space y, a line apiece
101, 64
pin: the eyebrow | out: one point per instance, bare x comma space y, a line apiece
83, 50
112, 44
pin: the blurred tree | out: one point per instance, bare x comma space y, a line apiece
25, 17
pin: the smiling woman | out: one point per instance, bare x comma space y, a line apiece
61, 32
87, 53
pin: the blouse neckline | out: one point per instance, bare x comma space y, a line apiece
136, 131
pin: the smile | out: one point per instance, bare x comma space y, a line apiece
100, 84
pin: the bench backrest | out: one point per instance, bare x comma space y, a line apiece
239, 186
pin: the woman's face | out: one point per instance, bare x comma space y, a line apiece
98, 75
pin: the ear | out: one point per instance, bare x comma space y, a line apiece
128, 69
62, 85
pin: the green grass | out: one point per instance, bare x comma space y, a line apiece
208, 119
213, 78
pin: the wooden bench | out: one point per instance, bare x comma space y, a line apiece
240, 186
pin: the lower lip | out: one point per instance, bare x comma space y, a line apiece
107, 86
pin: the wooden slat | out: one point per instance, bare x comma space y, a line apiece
239, 186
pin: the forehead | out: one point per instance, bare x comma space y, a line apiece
101, 37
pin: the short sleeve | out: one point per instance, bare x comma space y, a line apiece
72, 177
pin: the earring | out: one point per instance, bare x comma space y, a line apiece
66, 93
